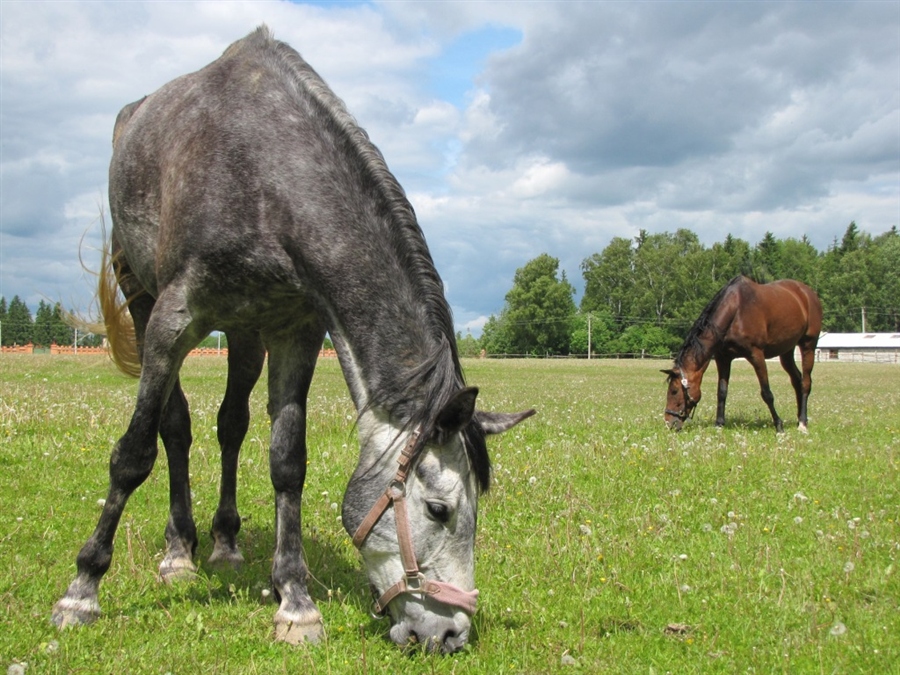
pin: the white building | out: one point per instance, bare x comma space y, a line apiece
849, 347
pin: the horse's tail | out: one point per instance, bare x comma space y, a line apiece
120, 335
116, 322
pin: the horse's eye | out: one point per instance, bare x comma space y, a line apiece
440, 512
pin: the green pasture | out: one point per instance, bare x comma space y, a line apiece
607, 544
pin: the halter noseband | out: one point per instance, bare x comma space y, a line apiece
413, 581
684, 414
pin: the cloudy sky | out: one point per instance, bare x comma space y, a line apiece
516, 128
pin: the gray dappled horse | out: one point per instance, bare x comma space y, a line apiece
244, 198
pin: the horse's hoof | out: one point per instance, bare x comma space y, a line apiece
172, 570
68, 612
803, 429
224, 558
296, 628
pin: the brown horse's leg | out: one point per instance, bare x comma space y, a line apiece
246, 356
723, 367
790, 366
291, 363
758, 361
808, 359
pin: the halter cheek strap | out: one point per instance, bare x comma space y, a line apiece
413, 580
684, 414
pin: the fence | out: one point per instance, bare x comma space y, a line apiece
83, 351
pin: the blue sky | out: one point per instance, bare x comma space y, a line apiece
516, 128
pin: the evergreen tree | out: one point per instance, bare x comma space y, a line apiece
3, 319
17, 328
60, 332
41, 332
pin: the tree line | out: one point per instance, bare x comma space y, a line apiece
642, 295
46, 327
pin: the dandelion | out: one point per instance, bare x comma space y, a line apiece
800, 497
798, 520
585, 530
838, 629
849, 567
683, 556
532, 480
706, 527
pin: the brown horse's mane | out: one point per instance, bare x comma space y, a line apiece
693, 345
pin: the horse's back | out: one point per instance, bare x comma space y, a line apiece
204, 176
782, 313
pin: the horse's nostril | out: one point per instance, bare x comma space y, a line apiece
452, 642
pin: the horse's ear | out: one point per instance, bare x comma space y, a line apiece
669, 372
456, 414
497, 423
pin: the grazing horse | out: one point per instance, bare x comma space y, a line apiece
245, 199
755, 322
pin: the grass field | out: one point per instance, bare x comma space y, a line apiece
606, 544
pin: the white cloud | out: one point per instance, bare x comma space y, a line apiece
605, 119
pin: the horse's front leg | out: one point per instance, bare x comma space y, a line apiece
790, 367
723, 367
291, 366
758, 361
246, 356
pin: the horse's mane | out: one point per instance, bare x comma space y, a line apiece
440, 374
692, 343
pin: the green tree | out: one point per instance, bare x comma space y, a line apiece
601, 328
539, 308
766, 259
800, 261
4, 312
885, 267
41, 331
609, 280
17, 328
62, 333
494, 337
467, 346
644, 339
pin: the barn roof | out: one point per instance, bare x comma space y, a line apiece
859, 341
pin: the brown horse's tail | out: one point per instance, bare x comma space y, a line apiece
117, 324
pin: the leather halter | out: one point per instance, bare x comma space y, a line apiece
413, 581
685, 413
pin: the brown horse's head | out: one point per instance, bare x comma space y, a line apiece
682, 396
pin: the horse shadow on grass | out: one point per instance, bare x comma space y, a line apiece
333, 577
740, 422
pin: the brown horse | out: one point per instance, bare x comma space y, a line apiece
755, 322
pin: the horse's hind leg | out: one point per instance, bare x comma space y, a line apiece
133, 457
790, 367
175, 431
291, 363
723, 368
246, 356
181, 532
758, 361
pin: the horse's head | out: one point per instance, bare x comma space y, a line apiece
682, 396
411, 507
